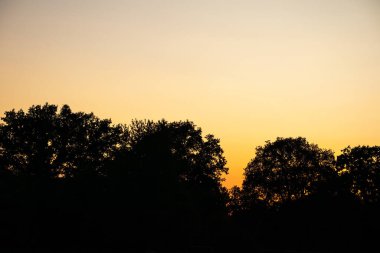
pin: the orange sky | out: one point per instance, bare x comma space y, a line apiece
245, 70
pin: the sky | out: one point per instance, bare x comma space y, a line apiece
246, 71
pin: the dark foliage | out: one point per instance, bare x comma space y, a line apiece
170, 177
360, 169
295, 198
286, 170
45, 143
71, 181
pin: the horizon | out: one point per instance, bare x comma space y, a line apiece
244, 71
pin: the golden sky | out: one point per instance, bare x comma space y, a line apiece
245, 70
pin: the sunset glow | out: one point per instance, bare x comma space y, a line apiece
246, 71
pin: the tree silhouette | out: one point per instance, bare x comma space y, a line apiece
171, 176
360, 168
285, 170
45, 143
201, 158
162, 155
74, 180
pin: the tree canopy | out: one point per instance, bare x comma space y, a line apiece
360, 167
74, 178
161, 177
198, 159
285, 170
168, 159
46, 143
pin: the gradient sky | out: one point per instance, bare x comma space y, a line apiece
245, 70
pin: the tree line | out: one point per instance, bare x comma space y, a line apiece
69, 179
